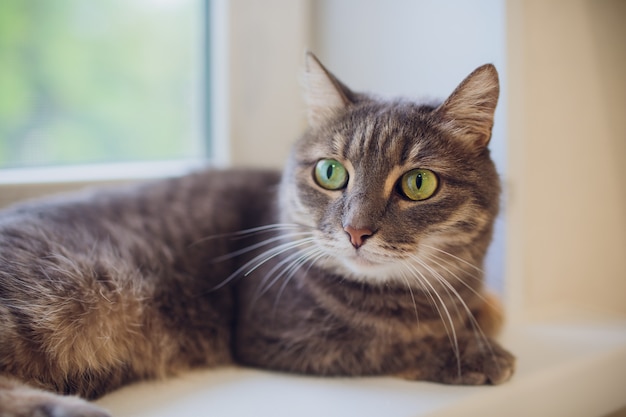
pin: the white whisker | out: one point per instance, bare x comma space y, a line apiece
251, 232
312, 256
262, 258
408, 286
263, 288
279, 250
274, 226
450, 330
258, 245
434, 259
471, 265
472, 273
478, 332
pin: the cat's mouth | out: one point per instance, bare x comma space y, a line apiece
362, 267
361, 262
365, 262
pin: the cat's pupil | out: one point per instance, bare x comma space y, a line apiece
418, 181
329, 171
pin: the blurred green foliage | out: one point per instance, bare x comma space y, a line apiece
100, 81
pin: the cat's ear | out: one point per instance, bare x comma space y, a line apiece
468, 112
325, 94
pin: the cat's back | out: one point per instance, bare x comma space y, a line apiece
120, 281
198, 194
173, 211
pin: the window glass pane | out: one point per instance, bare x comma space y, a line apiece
100, 81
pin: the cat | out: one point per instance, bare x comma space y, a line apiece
362, 258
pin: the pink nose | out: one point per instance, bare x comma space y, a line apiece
357, 236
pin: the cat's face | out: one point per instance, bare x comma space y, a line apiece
386, 186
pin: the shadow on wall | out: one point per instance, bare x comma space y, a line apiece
608, 26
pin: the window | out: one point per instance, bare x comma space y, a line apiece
100, 82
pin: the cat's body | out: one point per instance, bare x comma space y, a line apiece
129, 297
336, 269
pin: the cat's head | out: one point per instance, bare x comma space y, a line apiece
393, 188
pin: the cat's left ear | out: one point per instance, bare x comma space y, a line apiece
325, 94
468, 112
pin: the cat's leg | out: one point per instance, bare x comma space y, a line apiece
20, 400
489, 314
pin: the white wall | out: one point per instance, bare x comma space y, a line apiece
419, 49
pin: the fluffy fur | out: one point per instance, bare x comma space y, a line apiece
257, 268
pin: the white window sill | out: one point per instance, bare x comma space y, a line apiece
19, 184
563, 370
98, 172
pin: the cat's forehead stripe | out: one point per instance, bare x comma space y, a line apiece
338, 144
413, 152
369, 137
380, 137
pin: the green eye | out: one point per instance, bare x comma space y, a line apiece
330, 174
418, 184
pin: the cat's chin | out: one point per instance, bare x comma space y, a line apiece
359, 268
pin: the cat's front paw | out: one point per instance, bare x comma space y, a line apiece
481, 363
26, 402
57, 409
78, 408
476, 364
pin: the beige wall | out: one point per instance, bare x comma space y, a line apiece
567, 155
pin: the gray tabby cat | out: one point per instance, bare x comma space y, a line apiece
363, 258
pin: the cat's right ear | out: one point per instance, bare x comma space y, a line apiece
325, 94
468, 113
